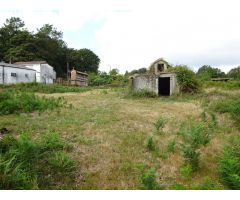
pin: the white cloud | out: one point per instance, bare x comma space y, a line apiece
136, 32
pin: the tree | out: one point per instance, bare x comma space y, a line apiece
234, 73
207, 72
84, 60
18, 44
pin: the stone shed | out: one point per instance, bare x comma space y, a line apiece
159, 81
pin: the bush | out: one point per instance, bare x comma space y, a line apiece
16, 102
186, 78
34, 164
191, 157
194, 137
148, 179
229, 164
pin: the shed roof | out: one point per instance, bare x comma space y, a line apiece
31, 62
15, 66
159, 60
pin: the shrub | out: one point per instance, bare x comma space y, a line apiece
194, 137
16, 102
191, 156
34, 164
186, 78
159, 124
148, 179
229, 164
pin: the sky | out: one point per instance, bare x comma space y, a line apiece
131, 34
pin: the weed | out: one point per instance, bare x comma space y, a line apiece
150, 144
191, 156
148, 179
159, 124
207, 184
171, 146
229, 164
186, 171
17, 102
34, 164
43, 88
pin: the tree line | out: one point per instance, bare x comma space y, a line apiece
17, 43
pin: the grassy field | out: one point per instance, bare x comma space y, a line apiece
120, 142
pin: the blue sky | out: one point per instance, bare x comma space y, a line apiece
130, 34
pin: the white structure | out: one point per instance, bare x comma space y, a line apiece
12, 74
44, 72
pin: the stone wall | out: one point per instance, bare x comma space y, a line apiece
145, 82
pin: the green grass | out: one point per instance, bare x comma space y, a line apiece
12, 101
40, 163
42, 88
104, 141
228, 85
231, 106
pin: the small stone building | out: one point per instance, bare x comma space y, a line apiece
79, 78
158, 81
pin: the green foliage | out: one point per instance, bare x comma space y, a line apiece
19, 44
207, 184
191, 156
111, 79
229, 164
148, 179
42, 88
231, 106
150, 144
194, 137
207, 72
142, 94
27, 163
235, 73
186, 78
12, 101
84, 60
171, 147
227, 85
159, 124
186, 171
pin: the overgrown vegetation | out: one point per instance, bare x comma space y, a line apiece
231, 106
42, 88
159, 124
228, 85
42, 163
12, 101
149, 181
229, 164
187, 79
141, 94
